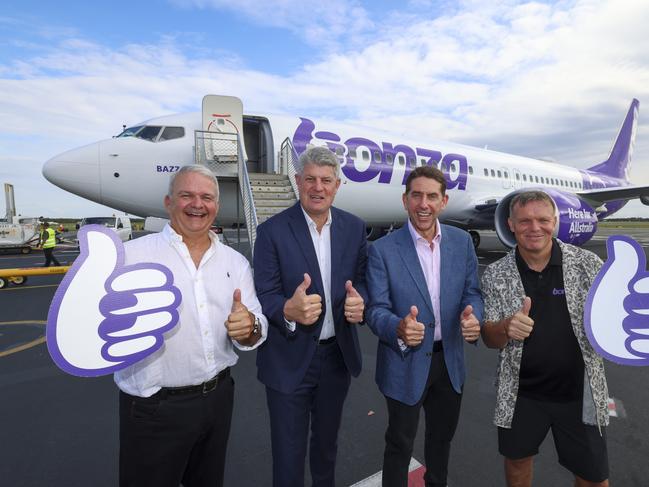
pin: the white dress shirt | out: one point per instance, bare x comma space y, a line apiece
322, 245
198, 347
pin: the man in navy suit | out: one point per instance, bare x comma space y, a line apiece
424, 303
309, 265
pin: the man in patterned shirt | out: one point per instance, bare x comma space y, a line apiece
549, 376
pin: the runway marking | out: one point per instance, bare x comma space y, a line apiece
24, 346
415, 476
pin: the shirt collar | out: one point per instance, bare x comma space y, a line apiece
311, 223
418, 238
171, 236
556, 258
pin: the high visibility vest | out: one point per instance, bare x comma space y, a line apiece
51, 238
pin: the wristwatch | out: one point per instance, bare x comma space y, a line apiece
256, 327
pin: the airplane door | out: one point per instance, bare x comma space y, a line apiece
505, 174
223, 115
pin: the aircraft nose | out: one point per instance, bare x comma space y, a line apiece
76, 171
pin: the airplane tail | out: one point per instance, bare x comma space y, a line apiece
619, 160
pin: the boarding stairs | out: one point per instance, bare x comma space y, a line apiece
262, 195
271, 193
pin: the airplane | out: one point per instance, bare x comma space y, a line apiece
130, 172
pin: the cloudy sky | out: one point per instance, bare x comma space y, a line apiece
541, 79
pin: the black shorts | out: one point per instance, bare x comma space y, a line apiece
580, 447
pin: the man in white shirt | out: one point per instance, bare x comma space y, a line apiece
176, 404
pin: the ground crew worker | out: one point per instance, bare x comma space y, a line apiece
48, 242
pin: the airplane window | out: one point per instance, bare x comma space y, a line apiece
402, 160
220, 121
340, 151
493, 173
486, 172
452, 167
388, 158
352, 153
506, 175
536, 178
366, 155
411, 161
131, 131
525, 177
172, 133
500, 175
377, 156
518, 177
442, 167
149, 132
470, 169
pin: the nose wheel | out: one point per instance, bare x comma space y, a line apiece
475, 238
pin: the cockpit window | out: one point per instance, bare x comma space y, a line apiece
149, 132
107, 221
131, 131
172, 133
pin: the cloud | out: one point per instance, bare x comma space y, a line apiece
536, 79
323, 24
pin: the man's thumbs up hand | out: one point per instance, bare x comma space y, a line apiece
410, 330
520, 325
469, 324
354, 304
302, 307
240, 321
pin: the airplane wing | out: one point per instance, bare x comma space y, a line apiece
603, 195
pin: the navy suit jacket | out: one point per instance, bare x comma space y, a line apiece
283, 253
395, 282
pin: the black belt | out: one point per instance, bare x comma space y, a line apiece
438, 346
204, 388
327, 341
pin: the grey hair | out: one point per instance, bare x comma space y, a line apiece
196, 169
320, 156
526, 197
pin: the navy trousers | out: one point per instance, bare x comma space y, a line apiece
316, 403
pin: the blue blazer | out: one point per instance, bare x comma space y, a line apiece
395, 282
283, 253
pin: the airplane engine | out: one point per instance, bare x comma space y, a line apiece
577, 221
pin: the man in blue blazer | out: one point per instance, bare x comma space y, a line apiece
424, 302
309, 265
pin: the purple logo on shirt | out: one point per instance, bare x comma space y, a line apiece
616, 314
105, 315
558, 292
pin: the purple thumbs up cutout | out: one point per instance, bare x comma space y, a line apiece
616, 315
106, 316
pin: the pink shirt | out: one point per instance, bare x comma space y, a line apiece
428, 254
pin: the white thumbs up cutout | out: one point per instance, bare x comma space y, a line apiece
106, 316
616, 314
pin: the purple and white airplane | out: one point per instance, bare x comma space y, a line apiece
130, 172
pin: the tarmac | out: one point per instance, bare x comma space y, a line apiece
61, 430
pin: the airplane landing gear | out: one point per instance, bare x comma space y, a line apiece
475, 237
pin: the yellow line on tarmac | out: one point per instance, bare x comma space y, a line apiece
24, 346
18, 288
